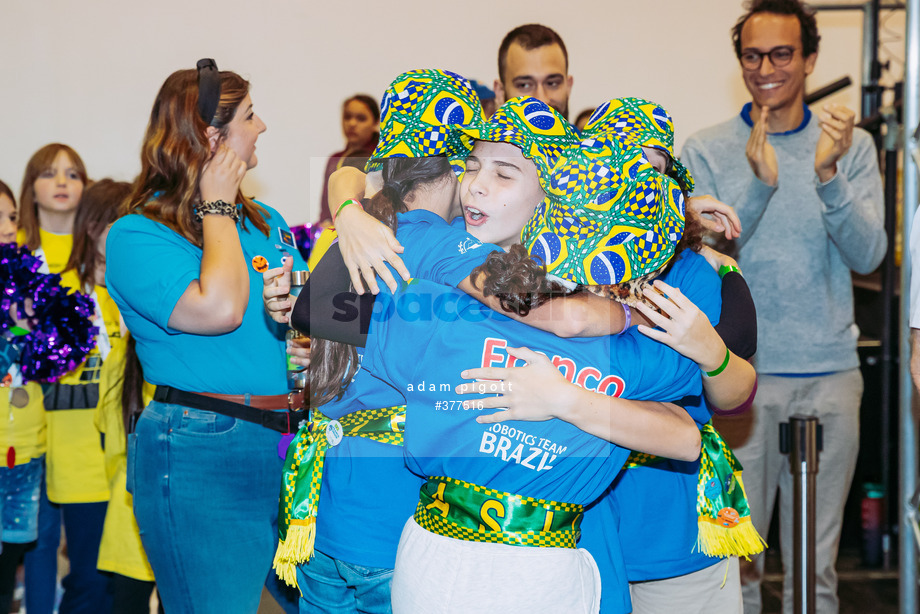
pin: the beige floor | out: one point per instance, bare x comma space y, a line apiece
269, 605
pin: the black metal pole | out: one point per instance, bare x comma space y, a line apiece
803, 463
871, 93
889, 343
827, 90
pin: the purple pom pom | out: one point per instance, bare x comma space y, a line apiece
62, 333
305, 236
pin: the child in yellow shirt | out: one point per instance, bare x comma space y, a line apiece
22, 437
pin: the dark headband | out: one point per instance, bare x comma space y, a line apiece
208, 89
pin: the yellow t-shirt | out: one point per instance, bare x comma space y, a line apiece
22, 423
75, 466
121, 550
321, 246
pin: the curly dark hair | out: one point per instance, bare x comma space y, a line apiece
802, 12
516, 279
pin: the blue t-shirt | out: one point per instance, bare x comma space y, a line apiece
149, 267
364, 479
367, 492
438, 251
547, 460
620, 519
665, 491
551, 460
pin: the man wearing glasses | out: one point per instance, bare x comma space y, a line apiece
809, 195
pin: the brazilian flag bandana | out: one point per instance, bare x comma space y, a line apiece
422, 114
303, 476
538, 130
638, 122
725, 527
609, 216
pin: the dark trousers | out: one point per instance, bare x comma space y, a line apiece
86, 589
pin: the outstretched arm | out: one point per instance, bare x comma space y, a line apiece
365, 242
328, 309
579, 315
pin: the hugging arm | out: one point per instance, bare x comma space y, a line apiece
686, 329
538, 391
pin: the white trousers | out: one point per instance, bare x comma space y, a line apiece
440, 575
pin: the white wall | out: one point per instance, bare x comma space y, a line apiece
86, 73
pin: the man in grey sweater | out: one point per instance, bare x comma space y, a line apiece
809, 195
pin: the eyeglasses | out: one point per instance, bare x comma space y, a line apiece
751, 59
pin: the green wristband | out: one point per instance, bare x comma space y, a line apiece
350, 201
18, 331
725, 269
721, 368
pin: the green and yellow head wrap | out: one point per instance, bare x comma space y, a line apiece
422, 113
538, 130
609, 217
641, 122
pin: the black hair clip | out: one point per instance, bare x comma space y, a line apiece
208, 89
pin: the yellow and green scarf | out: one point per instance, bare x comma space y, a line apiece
724, 517
303, 476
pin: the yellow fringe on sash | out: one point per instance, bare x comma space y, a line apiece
295, 549
716, 539
732, 535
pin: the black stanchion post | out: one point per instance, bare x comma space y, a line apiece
801, 439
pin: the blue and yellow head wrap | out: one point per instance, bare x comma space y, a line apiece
637, 121
609, 217
538, 130
422, 113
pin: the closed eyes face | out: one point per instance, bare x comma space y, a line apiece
499, 193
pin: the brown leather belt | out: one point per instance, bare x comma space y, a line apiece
258, 409
292, 400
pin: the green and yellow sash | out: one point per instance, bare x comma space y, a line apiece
458, 509
724, 518
303, 476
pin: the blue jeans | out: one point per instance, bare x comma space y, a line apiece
86, 589
20, 489
332, 586
206, 501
